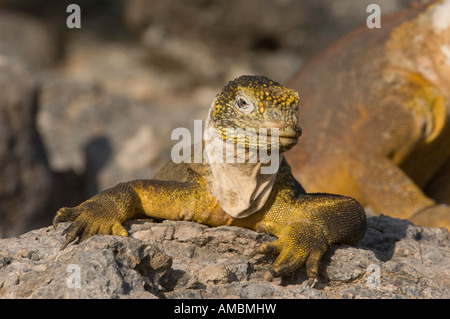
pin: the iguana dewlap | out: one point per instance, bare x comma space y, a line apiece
377, 117
305, 224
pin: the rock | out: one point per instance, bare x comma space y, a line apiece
255, 36
29, 38
98, 269
26, 181
106, 138
118, 69
187, 260
214, 274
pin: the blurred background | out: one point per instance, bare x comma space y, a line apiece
84, 109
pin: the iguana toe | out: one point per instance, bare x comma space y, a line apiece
118, 229
90, 219
66, 214
73, 232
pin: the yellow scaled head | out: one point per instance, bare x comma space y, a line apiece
258, 105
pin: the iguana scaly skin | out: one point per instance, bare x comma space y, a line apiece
305, 224
377, 117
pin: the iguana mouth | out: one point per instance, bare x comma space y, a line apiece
292, 132
288, 136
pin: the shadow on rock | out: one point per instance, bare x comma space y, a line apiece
382, 234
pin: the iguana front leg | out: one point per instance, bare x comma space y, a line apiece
105, 212
306, 226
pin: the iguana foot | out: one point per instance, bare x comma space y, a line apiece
102, 214
89, 219
299, 243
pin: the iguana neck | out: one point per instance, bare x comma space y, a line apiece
240, 188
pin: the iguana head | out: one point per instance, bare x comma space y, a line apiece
249, 108
251, 113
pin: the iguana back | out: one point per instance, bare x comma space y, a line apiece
377, 104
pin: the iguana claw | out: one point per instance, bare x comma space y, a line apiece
89, 219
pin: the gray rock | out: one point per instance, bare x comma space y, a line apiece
188, 260
104, 137
29, 38
108, 267
278, 35
26, 181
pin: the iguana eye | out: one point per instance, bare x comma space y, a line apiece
244, 104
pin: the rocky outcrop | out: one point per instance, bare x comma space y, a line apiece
187, 260
29, 38
26, 181
107, 138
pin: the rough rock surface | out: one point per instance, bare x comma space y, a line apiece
187, 260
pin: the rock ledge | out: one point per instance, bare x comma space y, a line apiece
187, 260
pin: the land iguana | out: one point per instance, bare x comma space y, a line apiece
235, 193
377, 110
